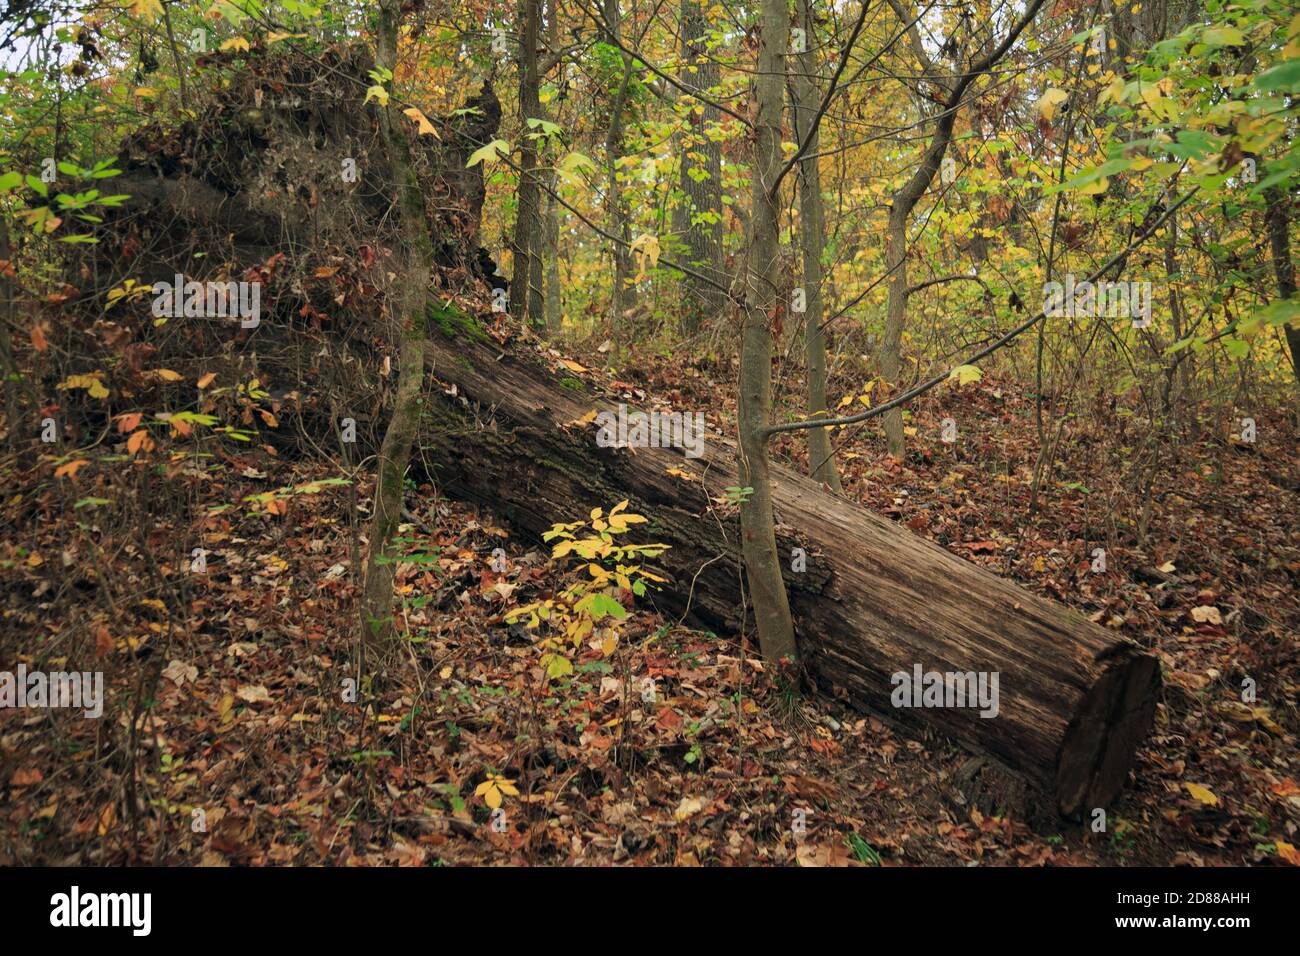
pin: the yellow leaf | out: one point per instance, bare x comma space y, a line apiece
1288, 852
423, 126
1095, 188
377, 93
646, 248
1203, 794
167, 375
1051, 102
146, 8
90, 383
572, 366
207, 379
235, 43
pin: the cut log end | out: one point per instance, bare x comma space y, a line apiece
1101, 741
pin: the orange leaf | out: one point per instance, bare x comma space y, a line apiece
128, 422
38, 339
103, 642
70, 469
206, 380
140, 441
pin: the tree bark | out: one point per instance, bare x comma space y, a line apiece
699, 217
812, 231
617, 223
412, 305
525, 279
763, 301
1075, 701
1278, 222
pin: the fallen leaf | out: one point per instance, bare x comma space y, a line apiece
688, 808
254, 694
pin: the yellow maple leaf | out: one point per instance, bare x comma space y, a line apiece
234, 43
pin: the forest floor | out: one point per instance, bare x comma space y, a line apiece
248, 724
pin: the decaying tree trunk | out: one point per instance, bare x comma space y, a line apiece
1075, 700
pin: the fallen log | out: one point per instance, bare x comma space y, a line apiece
879, 612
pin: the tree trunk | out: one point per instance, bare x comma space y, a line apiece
762, 301
525, 279
552, 305
1278, 221
699, 217
551, 253
891, 349
1075, 700
622, 298
812, 231
412, 306
906, 198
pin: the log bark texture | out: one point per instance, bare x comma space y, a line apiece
1076, 700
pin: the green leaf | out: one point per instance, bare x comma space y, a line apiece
1089, 176
573, 164
1223, 36
1281, 78
489, 153
600, 606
